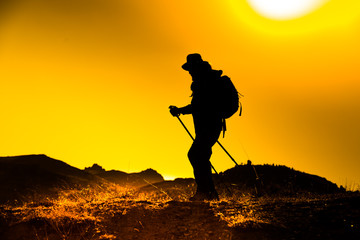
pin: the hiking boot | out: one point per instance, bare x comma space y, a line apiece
198, 197
213, 196
205, 196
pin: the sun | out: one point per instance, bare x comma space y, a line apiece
285, 9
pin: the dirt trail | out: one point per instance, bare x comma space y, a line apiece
267, 218
177, 220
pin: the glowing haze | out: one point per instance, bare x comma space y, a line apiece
90, 81
285, 9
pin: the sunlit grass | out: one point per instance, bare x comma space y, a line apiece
86, 203
88, 206
87, 213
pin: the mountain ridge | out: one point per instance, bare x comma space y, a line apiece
39, 174
24, 176
277, 179
136, 179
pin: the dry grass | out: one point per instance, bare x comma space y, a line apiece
86, 208
113, 212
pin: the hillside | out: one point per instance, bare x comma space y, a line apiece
28, 176
21, 176
126, 179
272, 179
259, 180
114, 212
163, 211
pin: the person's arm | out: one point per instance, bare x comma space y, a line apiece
175, 111
186, 110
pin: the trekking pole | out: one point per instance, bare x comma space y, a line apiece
187, 130
227, 153
227, 188
256, 175
216, 141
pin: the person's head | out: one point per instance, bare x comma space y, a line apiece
193, 61
195, 65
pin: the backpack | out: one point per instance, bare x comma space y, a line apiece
228, 99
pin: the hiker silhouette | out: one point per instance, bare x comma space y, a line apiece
207, 123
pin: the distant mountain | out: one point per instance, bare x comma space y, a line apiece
128, 179
34, 174
27, 176
23, 176
273, 179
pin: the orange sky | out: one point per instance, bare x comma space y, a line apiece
90, 81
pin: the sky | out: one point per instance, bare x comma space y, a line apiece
90, 81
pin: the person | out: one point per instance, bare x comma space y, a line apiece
207, 123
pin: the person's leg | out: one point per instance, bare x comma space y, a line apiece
199, 156
207, 132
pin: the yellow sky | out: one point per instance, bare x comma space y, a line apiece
90, 81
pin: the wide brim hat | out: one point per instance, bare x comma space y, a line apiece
193, 61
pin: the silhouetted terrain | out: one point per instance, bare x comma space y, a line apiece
24, 176
265, 179
126, 179
100, 209
113, 212
272, 179
21, 176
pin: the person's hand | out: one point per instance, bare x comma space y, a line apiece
175, 111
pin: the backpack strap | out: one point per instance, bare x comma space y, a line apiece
223, 121
223, 127
240, 109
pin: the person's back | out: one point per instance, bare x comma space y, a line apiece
204, 101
